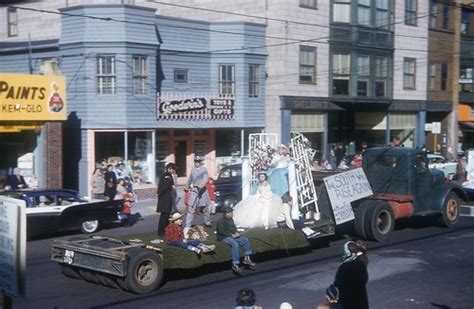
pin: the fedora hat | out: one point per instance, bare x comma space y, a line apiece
176, 216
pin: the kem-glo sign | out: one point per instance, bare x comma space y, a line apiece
32, 97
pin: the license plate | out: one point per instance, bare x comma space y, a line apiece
68, 257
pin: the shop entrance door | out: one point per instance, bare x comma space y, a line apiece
180, 152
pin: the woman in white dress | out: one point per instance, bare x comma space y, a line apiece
260, 209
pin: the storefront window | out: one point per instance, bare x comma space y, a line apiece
132, 148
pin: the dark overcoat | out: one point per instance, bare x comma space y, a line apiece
165, 193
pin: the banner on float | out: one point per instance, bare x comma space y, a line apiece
345, 188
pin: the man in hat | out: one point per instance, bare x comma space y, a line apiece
174, 236
197, 184
165, 197
227, 233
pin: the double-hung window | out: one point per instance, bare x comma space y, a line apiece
341, 11
433, 14
226, 79
307, 65
341, 73
446, 16
12, 16
444, 76
140, 75
254, 78
410, 12
363, 75
363, 12
106, 77
381, 76
409, 73
431, 76
382, 16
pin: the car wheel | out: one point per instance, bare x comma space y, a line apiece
360, 221
88, 227
450, 211
144, 272
230, 201
380, 222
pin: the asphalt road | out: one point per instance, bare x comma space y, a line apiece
420, 267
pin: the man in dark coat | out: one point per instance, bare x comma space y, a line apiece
352, 276
165, 197
16, 181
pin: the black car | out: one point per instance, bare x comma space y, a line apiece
55, 210
229, 186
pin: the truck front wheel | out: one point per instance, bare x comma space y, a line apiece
380, 222
145, 271
450, 215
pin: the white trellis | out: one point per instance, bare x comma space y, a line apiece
304, 178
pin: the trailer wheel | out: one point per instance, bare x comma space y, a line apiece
360, 221
450, 211
88, 276
144, 272
380, 222
70, 272
89, 227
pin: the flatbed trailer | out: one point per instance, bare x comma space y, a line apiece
135, 265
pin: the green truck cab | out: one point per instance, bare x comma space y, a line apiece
403, 186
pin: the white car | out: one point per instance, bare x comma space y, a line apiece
440, 163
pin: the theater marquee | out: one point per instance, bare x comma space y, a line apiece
26, 97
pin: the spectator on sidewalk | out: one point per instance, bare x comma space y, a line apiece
174, 236
227, 233
165, 197
352, 276
98, 184
16, 180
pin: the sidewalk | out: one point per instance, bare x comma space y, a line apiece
148, 207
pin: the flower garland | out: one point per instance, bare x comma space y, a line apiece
261, 157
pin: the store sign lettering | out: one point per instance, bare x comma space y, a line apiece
21, 93
16, 108
179, 106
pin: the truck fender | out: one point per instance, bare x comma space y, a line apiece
442, 192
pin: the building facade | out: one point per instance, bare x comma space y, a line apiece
142, 88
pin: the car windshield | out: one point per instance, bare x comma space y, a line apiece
228, 172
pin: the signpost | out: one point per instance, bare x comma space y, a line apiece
345, 188
12, 249
436, 129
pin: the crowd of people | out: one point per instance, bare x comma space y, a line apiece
112, 184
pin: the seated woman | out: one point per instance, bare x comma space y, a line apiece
260, 209
174, 236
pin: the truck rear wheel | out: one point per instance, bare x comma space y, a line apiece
361, 218
380, 222
450, 215
144, 272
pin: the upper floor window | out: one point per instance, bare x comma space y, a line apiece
342, 11
254, 80
431, 76
466, 21
180, 76
433, 14
410, 12
140, 75
341, 73
226, 79
444, 76
307, 65
312, 4
409, 73
381, 76
12, 17
382, 19
446, 16
363, 12
106, 77
363, 75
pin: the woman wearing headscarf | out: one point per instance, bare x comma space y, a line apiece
352, 276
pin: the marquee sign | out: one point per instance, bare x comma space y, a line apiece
179, 106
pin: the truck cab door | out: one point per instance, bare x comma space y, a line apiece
423, 183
